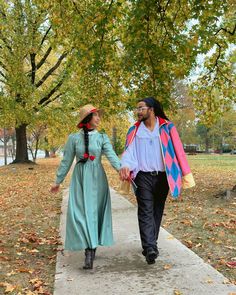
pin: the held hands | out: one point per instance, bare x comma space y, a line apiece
124, 173
55, 188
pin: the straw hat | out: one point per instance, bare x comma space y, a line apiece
85, 111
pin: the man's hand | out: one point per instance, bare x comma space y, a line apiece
55, 188
124, 173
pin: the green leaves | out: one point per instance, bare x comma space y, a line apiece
113, 52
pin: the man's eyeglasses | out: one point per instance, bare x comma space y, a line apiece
140, 109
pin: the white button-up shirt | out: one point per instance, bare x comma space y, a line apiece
144, 153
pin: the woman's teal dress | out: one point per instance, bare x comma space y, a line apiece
89, 220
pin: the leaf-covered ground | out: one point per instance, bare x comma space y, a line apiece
28, 228
203, 218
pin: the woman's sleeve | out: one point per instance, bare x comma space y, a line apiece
187, 179
108, 151
66, 162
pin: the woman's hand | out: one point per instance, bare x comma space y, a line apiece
55, 188
124, 173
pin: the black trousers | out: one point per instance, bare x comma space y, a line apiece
151, 196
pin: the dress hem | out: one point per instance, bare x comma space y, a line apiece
83, 248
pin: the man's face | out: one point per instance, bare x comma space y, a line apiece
143, 111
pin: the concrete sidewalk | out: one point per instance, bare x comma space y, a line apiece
122, 269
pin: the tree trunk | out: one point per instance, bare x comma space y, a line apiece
5, 146
36, 148
21, 145
13, 138
207, 143
47, 155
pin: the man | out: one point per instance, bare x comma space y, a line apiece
154, 158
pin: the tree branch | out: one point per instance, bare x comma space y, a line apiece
2, 74
45, 100
103, 33
227, 31
3, 66
217, 58
52, 69
77, 9
223, 75
53, 99
33, 71
42, 61
162, 16
167, 4
45, 36
3, 14
4, 82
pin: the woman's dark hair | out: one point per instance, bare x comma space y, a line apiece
86, 136
156, 105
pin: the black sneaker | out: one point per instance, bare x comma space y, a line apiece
144, 252
151, 255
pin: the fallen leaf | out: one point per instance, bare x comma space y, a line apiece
189, 243
33, 251
167, 266
36, 282
221, 234
23, 240
26, 270
11, 273
9, 288
30, 293
40, 290
231, 264
198, 245
187, 222
230, 247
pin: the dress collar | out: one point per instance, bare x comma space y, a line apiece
90, 132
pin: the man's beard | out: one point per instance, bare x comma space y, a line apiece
143, 119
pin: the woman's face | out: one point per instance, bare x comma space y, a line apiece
95, 120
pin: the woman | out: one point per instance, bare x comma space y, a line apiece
89, 221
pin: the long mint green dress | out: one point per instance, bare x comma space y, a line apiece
89, 220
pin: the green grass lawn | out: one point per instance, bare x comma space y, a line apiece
213, 160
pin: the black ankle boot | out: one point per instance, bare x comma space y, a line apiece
89, 256
94, 253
